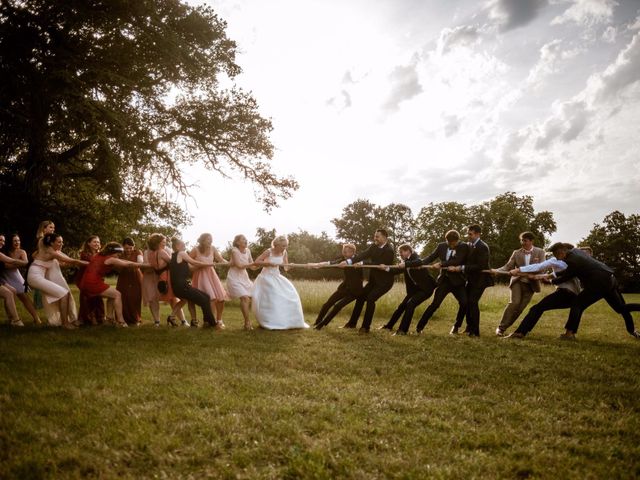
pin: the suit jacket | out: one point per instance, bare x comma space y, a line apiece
478, 260
591, 272
440, 253
517, 260
352, 283
416, 280
377, 255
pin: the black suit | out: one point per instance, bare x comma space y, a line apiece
420, 286
380, 282
598, 282
477, 281
448, 282
347, 292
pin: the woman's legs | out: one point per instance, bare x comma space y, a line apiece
114, 297
154, 308
8, 295
28, 304
245, 306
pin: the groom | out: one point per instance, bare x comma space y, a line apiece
380, 281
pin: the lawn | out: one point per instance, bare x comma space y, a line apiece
192, 403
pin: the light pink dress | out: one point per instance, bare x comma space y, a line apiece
206, 279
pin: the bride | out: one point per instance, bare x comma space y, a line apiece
276, 303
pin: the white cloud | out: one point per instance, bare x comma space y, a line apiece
587, 12
609, 35
510, 14
463, 35
405, 85
451, 125
621, 73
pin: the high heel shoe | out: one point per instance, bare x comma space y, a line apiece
184, 323
220, 325
171, 320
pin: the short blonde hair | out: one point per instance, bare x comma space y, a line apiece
350, 246
237, 238
279, 239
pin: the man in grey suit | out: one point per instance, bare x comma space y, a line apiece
521, 288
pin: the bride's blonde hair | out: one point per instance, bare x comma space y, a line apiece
280, 239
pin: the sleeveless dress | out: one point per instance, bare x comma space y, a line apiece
238, 282
92, 282
206, 279
48, 279
150, 280
13, 277
276, 303
91, 307
130, 286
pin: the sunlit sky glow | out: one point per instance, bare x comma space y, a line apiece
416, 101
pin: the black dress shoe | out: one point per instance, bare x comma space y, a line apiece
399, 332
363, 330
454, 330
473, 334
418, 332
636, 334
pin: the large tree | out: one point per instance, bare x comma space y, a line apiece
616, 242
103, 103
358, 222
504, 217
436, 219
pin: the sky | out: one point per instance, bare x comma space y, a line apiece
419, 101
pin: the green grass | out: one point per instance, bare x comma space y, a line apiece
184, 403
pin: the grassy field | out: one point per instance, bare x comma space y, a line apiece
184, 403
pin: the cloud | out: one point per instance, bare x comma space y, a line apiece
624, 71
587, 12
569, 121
511, 148
510, 14
405, 85
451, 124
609, 35
461, 36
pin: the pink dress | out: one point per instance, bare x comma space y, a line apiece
206, 279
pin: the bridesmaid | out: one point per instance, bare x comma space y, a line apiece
7, 291
91, 308
238, 283
92, 283
180, 273
14, 278
45, 227
157, 256
130, 284
53, 293
206, 279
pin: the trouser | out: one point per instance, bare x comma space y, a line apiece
440, 294
201, 299
370, 294
406, 308
561, 298
519, 297
607, 289
472, 312
338, 300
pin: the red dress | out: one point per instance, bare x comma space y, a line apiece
92, 282
91, 308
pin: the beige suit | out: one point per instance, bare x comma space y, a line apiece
522, 289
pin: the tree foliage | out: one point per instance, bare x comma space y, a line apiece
358, 222
616, 242
105, 102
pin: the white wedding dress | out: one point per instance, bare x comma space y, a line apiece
275, 301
